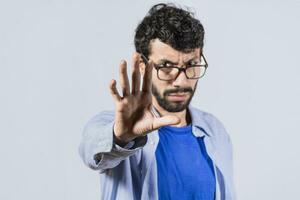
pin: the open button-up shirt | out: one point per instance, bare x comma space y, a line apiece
130, 172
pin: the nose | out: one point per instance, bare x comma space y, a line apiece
181, 80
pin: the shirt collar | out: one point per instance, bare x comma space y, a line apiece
200, 126
199, 122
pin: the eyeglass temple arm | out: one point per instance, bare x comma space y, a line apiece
144, 58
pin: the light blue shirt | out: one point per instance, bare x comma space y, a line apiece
131, 172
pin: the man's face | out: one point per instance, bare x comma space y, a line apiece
174, 95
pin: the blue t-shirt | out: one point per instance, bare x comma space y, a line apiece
184, 169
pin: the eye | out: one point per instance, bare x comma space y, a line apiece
167, 70
165, 64
193, 62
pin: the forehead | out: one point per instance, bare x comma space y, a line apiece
160, 50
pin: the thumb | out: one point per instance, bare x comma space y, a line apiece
165, 121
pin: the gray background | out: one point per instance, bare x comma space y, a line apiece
57, 58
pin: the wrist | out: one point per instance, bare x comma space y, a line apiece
121, 141
121, 138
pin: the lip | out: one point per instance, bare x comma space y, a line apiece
177, 96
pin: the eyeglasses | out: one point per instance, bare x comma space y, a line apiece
168, 71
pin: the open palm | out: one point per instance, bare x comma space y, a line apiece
133, 116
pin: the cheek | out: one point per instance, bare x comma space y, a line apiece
157, 84
160, 85
155, 81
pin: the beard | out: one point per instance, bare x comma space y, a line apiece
173, 106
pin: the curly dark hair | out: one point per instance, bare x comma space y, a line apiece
171, 25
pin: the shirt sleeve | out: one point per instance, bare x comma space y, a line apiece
97, 148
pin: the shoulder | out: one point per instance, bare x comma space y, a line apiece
216, 131
209, 123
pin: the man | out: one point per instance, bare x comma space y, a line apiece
155, 145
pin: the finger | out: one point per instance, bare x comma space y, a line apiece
124, 78
136, 75
147, 79
165, 121
113, 90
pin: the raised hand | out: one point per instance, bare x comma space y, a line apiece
133, 116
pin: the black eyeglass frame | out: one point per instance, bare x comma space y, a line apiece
180, 69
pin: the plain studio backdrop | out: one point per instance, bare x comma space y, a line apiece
58, 57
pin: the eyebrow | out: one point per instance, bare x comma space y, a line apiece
175, 63
164, 60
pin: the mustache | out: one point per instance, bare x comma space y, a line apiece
177, 90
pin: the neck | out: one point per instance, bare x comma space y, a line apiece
184, 115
